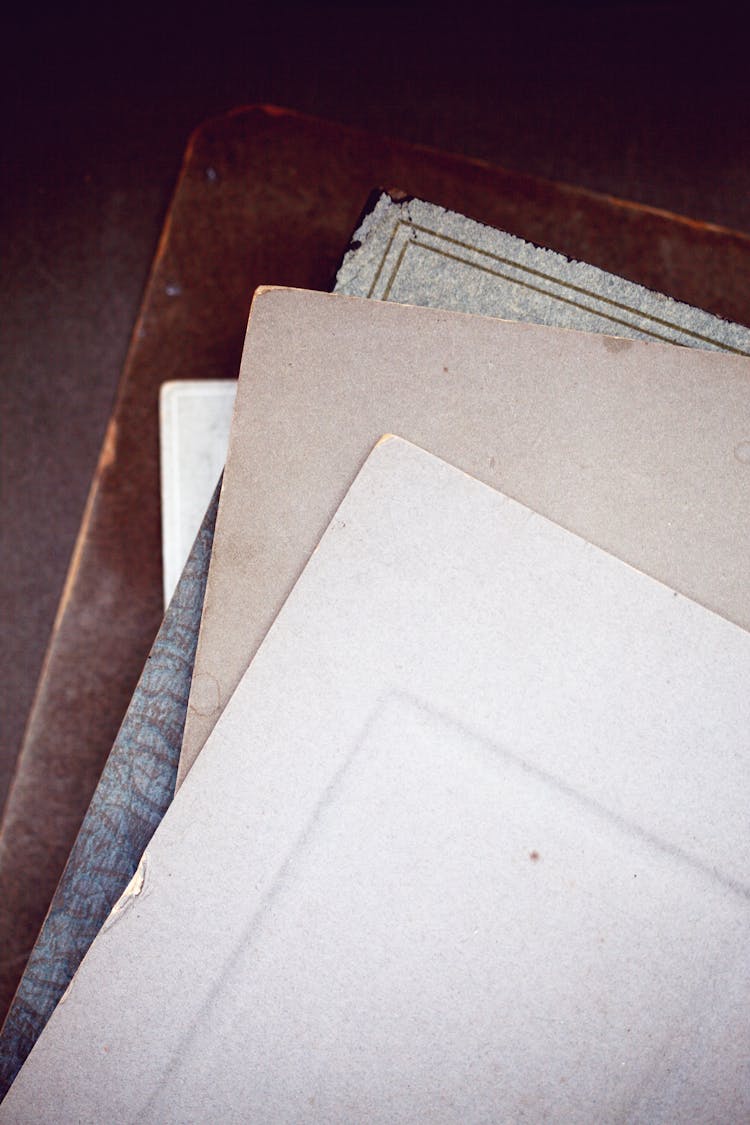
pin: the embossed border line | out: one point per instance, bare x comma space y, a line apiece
538, 274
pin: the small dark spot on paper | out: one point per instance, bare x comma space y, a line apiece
445, 370
493, 462
205, 695
534, 856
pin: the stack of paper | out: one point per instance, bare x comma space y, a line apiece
417, 253
463, 833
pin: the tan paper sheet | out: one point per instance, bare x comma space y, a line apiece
641, 448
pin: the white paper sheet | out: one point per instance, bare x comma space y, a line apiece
469, 843
194, 420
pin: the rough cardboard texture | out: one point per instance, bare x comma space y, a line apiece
468, 844
639, 447
421, 254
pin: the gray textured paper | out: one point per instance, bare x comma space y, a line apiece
420, 254
135, 787
469, 844
641, 448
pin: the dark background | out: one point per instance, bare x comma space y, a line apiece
647, 102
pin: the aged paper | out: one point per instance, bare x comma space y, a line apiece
642, 448
468, 844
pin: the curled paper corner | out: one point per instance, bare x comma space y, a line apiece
131, 892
